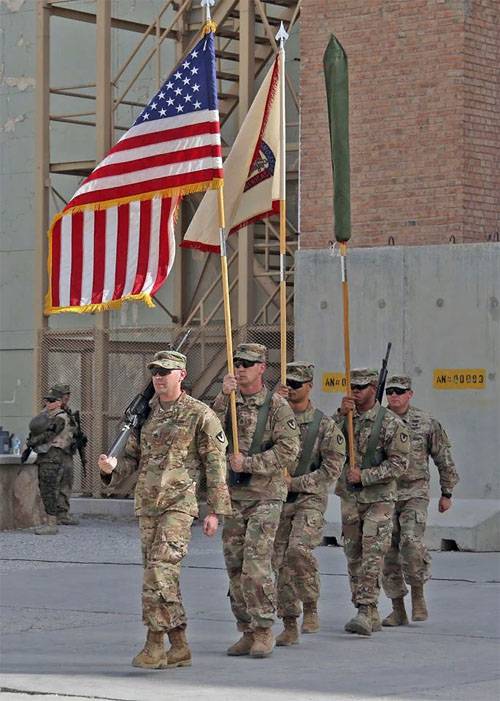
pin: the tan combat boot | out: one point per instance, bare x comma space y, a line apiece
418, 605
153, 654
50, 528
310, 622
361, 624
179, 654
290, 633
242, 646
263, 642
375, 617
68, 520
398, 615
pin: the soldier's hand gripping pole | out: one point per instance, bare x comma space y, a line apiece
137, 411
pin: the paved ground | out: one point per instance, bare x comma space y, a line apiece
71, 624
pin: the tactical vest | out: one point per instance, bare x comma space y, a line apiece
63, 439
243, 478
306, 464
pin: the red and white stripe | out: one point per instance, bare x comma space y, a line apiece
157, 156
99, 256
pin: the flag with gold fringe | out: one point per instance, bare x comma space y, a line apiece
251, 171
114, 240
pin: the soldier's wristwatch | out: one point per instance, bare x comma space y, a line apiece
446, 495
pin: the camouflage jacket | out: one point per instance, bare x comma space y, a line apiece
174, 443
328, 454
281, 442
391, 457
427, 438
57, 435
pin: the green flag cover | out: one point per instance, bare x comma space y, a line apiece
337, 90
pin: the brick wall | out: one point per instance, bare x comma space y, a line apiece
482, 120
424, 131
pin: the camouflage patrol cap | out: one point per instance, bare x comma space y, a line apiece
251, 351
400, 381
53, 394
168, 359
64, 389
300, 371
364, 376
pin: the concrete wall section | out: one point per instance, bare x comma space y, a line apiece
440, 308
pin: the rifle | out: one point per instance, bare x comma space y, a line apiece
80, 441
137, 412
382, 377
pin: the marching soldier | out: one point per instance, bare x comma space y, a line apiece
301, 524
179, 435
269, 445
408, 559
368, 493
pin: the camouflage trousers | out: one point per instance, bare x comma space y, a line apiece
50, 474
66, 486
367, 536
300, 531
248, 542
164, 541
407, 559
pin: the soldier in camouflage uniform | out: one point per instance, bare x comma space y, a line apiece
51, 438
66, 487
368, 492
301, 524
258, 490
407, 558
180, 435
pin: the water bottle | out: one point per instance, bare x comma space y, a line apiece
16, 446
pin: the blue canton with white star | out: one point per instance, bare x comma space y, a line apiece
190, 87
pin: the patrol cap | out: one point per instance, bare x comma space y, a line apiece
53, 394
255, 352
168, 359
300, 371
64, 389
364, 376
399, 381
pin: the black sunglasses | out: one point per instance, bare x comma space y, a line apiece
242, 363
359, 387
294, 384
395, 390
160, 371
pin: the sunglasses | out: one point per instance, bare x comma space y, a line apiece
242, 363
160, 371
294, 384
395, 390
359, 388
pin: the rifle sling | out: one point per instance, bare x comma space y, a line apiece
371, 447
256, 445
373, 440
305, 464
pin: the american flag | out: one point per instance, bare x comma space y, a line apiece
114, 240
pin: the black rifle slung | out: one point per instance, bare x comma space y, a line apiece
80, 441
382, 377
137, 412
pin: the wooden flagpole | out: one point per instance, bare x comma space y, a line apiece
282, 36
227, 315
225, 282
347, 351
